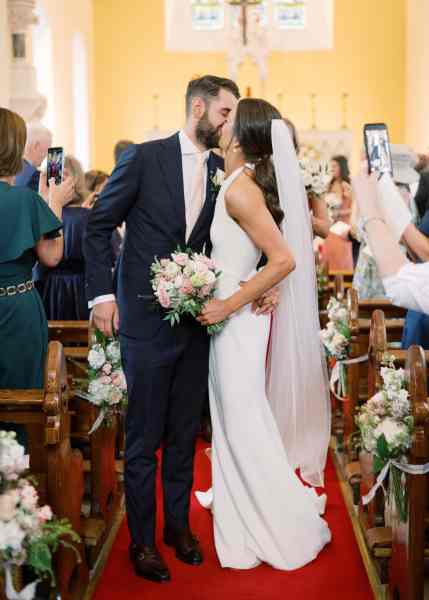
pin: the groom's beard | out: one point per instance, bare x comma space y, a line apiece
206, 134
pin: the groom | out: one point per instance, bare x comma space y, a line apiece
165, 190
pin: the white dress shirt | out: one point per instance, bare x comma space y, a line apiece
410, 287
189, 154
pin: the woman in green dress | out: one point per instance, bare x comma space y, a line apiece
30, 231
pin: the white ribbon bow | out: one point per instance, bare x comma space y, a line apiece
26, 594
336, 374
406, 468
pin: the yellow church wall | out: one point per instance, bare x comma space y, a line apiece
131, 64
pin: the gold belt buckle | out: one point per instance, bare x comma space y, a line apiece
11, 290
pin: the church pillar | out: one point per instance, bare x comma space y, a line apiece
24, 97
5, 55
417, 83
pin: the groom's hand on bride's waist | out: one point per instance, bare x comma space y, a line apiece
267, 303
105, 317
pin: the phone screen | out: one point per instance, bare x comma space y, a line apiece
55, 164
378, 148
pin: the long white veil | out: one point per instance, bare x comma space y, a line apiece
297, 379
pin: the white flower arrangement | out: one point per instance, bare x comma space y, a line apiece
29, 533
336, 339
387, 415
316, 176
386, 426
106, 386
336, 335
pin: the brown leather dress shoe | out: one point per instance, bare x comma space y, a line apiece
148, 563
186, 545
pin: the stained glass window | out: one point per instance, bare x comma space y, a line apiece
207, 15
289, 14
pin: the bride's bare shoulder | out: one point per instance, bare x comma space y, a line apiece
243, 195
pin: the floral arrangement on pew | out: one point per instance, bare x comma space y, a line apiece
316, 176
183, 284
29, 533
386, 426
105, 386
322, 280
336, 339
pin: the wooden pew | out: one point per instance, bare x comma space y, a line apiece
409, 542
357, 374
99, 449
377, 532
59, 469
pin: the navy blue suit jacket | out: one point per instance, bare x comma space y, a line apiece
146, 191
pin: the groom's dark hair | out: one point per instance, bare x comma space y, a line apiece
208, 87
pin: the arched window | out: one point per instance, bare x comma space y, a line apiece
289, 14
43, 61
80, 80
207, 15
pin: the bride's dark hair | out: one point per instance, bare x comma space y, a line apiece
252, 129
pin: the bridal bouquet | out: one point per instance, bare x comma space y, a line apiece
316, 176
336, 340
29, 533
105, 385
183, 284
386, 425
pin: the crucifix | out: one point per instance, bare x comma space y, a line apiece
245, 4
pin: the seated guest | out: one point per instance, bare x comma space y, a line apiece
119, 149
29, 231
406, 283
39, 139
63, 287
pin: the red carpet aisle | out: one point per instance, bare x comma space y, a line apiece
337, 573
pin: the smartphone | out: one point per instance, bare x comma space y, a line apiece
55, 164
377, 148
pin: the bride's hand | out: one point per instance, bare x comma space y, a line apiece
268, 303
214, 312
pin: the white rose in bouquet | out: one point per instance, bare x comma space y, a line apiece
96, 357
400, 405
98, 391
13, 461
8, 503
113, 352
396, 433
11, 536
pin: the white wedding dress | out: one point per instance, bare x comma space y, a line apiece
262, 512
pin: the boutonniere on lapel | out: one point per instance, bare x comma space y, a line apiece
216, 180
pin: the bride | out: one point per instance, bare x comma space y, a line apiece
269, 396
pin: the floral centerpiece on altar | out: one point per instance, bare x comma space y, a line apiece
106, 386
29, 533
183, 284
336, 339
386, 426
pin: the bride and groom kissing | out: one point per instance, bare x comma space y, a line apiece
267, 379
